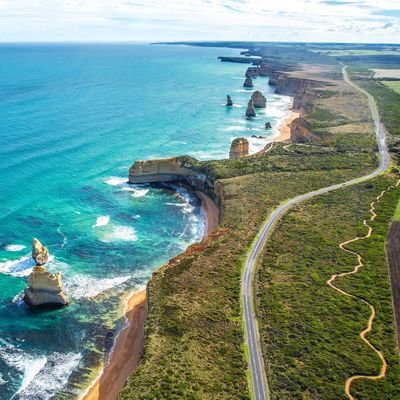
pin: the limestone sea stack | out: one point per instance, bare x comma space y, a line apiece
39, 253
252, 72
248, 83
229, 102
239, 148
250, 112
44, 288
259, 100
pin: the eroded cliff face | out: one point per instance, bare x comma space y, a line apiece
288, 85
183, 168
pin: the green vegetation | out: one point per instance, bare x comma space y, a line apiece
396, 216
309, 331
388, 103
394, 85
194, 334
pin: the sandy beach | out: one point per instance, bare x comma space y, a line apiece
211, 211
284, 128
126, 352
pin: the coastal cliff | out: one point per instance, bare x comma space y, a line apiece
183, 168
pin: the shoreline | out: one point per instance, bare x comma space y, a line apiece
128, 347
125, 354
211, 213
284, 128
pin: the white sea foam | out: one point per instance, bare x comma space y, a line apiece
102, 221
21, 267
115, 180
122, 184
120, 233
51, 377
85, 286
2, 380
41, 375
139, 192
15, 247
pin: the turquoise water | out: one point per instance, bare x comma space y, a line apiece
73, 118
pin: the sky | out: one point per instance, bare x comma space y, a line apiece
370, 21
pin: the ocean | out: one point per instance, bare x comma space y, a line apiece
73, 118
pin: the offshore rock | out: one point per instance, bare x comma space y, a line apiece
268, 125
239, 148
44, 288
251, 72
250, 112
229, 102
259, 100
248, 83
39, 253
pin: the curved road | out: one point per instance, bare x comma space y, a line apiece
258, 376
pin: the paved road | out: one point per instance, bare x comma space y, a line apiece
258, 376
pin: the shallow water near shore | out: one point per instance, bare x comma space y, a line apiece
73, 118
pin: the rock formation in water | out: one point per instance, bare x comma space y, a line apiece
259, 100
229, 102
39, 253
248, 83
239, 148
45, 289
268, 125
250, 112
300, 130
252, 72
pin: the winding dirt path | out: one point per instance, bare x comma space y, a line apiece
368, 329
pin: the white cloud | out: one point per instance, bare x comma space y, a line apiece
150, 20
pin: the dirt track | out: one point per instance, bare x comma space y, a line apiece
331, 282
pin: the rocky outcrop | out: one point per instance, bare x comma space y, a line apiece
248, 83
251, 72
240, 60
300, 130
39, 253
45, 289
182, 168
287, 85
229, 102
268, 125
250, 112
239, 148
263, 70
259, 100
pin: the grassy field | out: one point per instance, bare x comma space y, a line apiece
309, 331
393, 85
340, 53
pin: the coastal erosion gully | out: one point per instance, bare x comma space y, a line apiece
258, 377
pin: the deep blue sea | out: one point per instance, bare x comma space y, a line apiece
73, 118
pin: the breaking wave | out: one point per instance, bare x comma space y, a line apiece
120, 233
102, 221
40, 375
85, 286
15, 247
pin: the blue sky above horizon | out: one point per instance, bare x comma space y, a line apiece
373, 21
